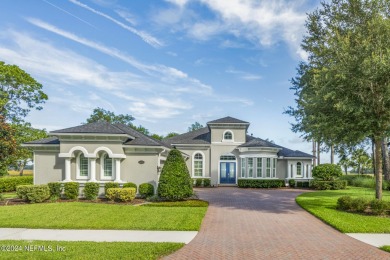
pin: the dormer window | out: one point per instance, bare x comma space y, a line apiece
228, 136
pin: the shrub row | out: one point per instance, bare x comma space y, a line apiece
244, 183
121, 194
8, 184
33, 193
199, 182
361, 205
328, 185
303, 184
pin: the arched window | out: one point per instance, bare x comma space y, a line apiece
228, 136
107, 166
198, 165
299, 169
82, 167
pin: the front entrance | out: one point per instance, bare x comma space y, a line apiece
228, 173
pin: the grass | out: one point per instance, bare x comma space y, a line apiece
322, 204
25, 173
385, 248
186, 203
85, 250
81, 215
9, 195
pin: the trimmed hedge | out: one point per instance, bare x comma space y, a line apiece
199, 182
33, 193
303, 184
328, 185
110, 185
146, 190
327, 172
130, 185
291, 183
91, 190
121, 194
8, 184
71, 190
362, 205
244, 183
55, 189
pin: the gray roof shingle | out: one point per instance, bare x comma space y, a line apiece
49, 140
200, 136
228, 120
101, 127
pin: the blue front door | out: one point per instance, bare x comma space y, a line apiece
228, 172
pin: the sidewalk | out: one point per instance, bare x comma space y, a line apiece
376, 240
97, 235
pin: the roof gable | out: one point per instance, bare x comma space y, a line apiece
200, 136
100, 127
228, 120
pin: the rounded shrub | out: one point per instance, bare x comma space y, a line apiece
206, 182
344, 203
130, 185
198, 182
379, 207
109, 185
33, 193
71, 190
120, 194
175, 181
55, 189
327, 172
91, 190
360, 204
291, 183
146, 190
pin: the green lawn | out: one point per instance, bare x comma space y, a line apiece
81, 215
84, 250
9, 195
385, 248
322, 204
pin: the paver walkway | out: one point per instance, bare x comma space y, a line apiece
267, 224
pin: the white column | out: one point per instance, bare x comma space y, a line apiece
67, 169
92, 163
289, 171
117, 170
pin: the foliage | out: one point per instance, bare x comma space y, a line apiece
55, 189
328, 185
23, 132
171, 134
33, 193
291, 183
19, 92
100, 114
327, 172
360, 204
385, 248
146, 190
379, 207
322, 204
201, 182
89, 250
184, 203
121, 194
2, 197
198, 182
71, 190
7, 145
157, 137
91, 190
8, 184
206, 182
361, 160
342, 91
303, 184
244, 183
175, 181
130, 185
110, 185
344, 203
195, 126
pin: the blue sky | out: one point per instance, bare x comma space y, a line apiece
167, 63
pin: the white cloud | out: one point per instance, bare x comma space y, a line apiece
144, 36
244, 75
180, 3
125, 14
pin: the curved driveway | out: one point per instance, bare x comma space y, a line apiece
267, 224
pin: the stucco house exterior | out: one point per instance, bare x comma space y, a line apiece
222, 151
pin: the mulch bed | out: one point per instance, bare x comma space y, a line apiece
16, 201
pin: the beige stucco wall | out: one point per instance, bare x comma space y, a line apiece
115, 147
239, 135
216, 151
48, 167
189, 162
133, 171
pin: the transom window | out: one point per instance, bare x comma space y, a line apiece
227, 158
83, 165
198, 165
228, 135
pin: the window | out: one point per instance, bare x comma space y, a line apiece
299, 169
227, 158
250, 167
243, 167
274, 167
82, 166
268, 169
259, 168
198, 165
107, 166
228, 135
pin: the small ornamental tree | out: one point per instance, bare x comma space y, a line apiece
175, 181
327, 172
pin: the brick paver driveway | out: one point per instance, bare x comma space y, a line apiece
267, 224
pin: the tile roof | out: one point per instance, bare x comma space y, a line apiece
228, 120
200, 136
101, 127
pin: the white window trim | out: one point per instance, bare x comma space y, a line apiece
78, 176
262, 164
228, 140
273, 170
253, 167
106, 178
193, 164
302, 170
